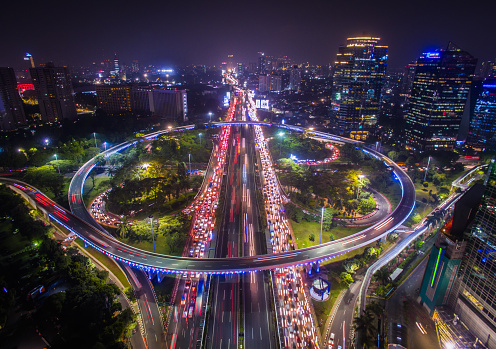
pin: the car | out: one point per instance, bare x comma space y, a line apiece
183, 298
331, 339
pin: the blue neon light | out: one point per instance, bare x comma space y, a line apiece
433, 55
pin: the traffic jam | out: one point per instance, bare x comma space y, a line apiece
294, 316
203, 209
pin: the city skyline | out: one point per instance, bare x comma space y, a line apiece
311, 33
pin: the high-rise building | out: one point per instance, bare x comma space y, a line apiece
11, 109
437, 99
269, 82
487, 70
118, 99
55, 94
261, 63
448, 251
169, 104
116, 67
482, 131
135, 66
294, 78
474, 296
114, 99
231, 65
358, 77
29, 57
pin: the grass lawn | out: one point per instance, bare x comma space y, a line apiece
393, 194
322, 309
160, 244
106, 261
303, 229
423, 193
102, 183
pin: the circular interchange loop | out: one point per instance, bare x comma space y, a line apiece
84, 226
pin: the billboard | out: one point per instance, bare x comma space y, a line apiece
262, 104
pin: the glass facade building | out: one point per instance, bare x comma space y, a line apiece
482, 132
437, 99
359, 73
475, 299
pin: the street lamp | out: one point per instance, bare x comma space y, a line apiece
57, 159
169, 128
200, 137
427, 168
153, 233
210, 116
281, 134
94, 136
359, 184
46, 142
189, 157
321, 224
105, 145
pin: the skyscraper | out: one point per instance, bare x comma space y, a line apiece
294, 78
261, 63
11, 110
474, 295
482, 131
53, 87
116, 70
438, 96
359, 74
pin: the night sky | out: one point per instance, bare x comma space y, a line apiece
203, 32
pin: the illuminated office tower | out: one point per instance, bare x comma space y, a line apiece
437, 99
114, 99
11, 109
482, 132
359, 72
294, 78
261, 63
116, 65
53, 87
475, 298
29, 57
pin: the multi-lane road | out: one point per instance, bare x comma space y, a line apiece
237, 257
171, 264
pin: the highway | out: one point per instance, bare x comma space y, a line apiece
153, 262
259, 327
223, 329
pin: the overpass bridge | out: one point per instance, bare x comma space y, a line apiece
81, 223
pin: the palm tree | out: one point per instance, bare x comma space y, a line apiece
382, 275
365, 328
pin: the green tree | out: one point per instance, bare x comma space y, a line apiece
393, 155
382, 276
346, 279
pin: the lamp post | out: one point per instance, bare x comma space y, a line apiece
105, 145
47, 141
281, 134
200, 137
321, 224
189, 157
210, 116
359, 184
94, 136
427, 168
57, 159
153, 233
